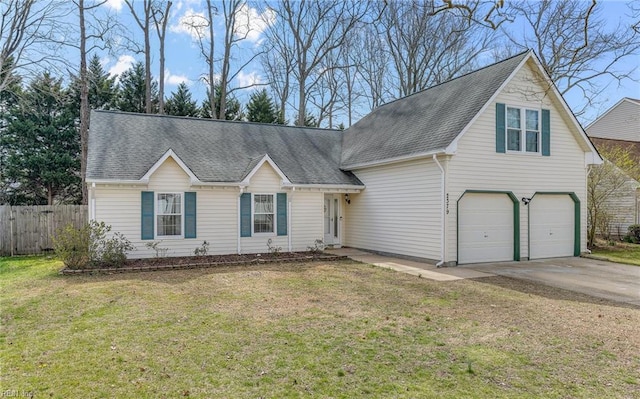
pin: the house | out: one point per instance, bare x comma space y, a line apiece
490, 166
619, 127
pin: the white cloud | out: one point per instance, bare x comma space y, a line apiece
175, 80
124, 63
250, 24
248, 79
115, 4
192, 23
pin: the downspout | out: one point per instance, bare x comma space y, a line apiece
92, 201
289, 232
442, 212
239, 222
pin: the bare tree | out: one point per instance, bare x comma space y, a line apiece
575, 46
316, 28
607, 183
160, 19
29, 37
426, 47
371, 65
144, 22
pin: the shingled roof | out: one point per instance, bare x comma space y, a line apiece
425, 121
124, 146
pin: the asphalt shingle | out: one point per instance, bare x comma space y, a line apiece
124, 146
425, 121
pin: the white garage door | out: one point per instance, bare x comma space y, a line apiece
551, 227
485, 228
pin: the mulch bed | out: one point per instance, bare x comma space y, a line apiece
195, 262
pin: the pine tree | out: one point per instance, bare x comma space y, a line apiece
41, 146
309, 121
180, 103
261, 108
232, 112
103, 91
132, 90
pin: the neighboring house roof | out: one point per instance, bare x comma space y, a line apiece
426, 121
620, 122
125, 146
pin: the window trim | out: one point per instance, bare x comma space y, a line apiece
275, 215
523, 130
156, 214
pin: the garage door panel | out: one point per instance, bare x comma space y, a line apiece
485, 228
551, 226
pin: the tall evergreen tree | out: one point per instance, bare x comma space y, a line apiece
180, 103
41, 146
261, 108
103, 90
132, 97
232, 112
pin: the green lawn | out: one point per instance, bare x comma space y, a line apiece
621, 253
342, 330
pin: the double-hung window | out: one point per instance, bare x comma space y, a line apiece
169, 214
523, 130
263, 213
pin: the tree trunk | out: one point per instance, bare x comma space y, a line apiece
84, 104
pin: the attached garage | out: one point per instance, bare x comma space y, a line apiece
553, 230
488, 224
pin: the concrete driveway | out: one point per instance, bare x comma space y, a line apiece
613, 281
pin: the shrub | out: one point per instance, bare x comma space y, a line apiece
273, 249
318, 246
89, 246
634, 233
71, 246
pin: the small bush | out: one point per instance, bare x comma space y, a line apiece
273, 250
160, 252
89, 246
634, 233
71, 246
318, 246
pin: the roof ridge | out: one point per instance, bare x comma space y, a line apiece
209, 120
453, 79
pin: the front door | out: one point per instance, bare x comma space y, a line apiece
331, 219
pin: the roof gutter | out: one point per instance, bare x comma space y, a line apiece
393, 160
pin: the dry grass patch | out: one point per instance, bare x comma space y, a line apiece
316, 329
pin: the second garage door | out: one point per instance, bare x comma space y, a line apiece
551, 226
485, 228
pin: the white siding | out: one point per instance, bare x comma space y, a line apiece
622, 205
119, 206
622, 122
217, 213
398, 212
306, 213
477, 166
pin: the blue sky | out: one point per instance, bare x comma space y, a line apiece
184, 63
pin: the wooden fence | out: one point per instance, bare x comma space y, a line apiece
26, 230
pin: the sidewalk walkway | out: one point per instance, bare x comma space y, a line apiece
420, 269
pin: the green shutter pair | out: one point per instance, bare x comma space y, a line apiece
148, 217
245, 214
501, 131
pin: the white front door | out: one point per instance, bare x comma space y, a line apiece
331, 219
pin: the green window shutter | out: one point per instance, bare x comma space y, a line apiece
245, 215
500, 128
546, 133
190, 215
147, 216
282, 213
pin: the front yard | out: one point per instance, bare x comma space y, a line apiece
621, 252
340, 329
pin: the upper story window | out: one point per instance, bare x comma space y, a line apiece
169, 214
523, 130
